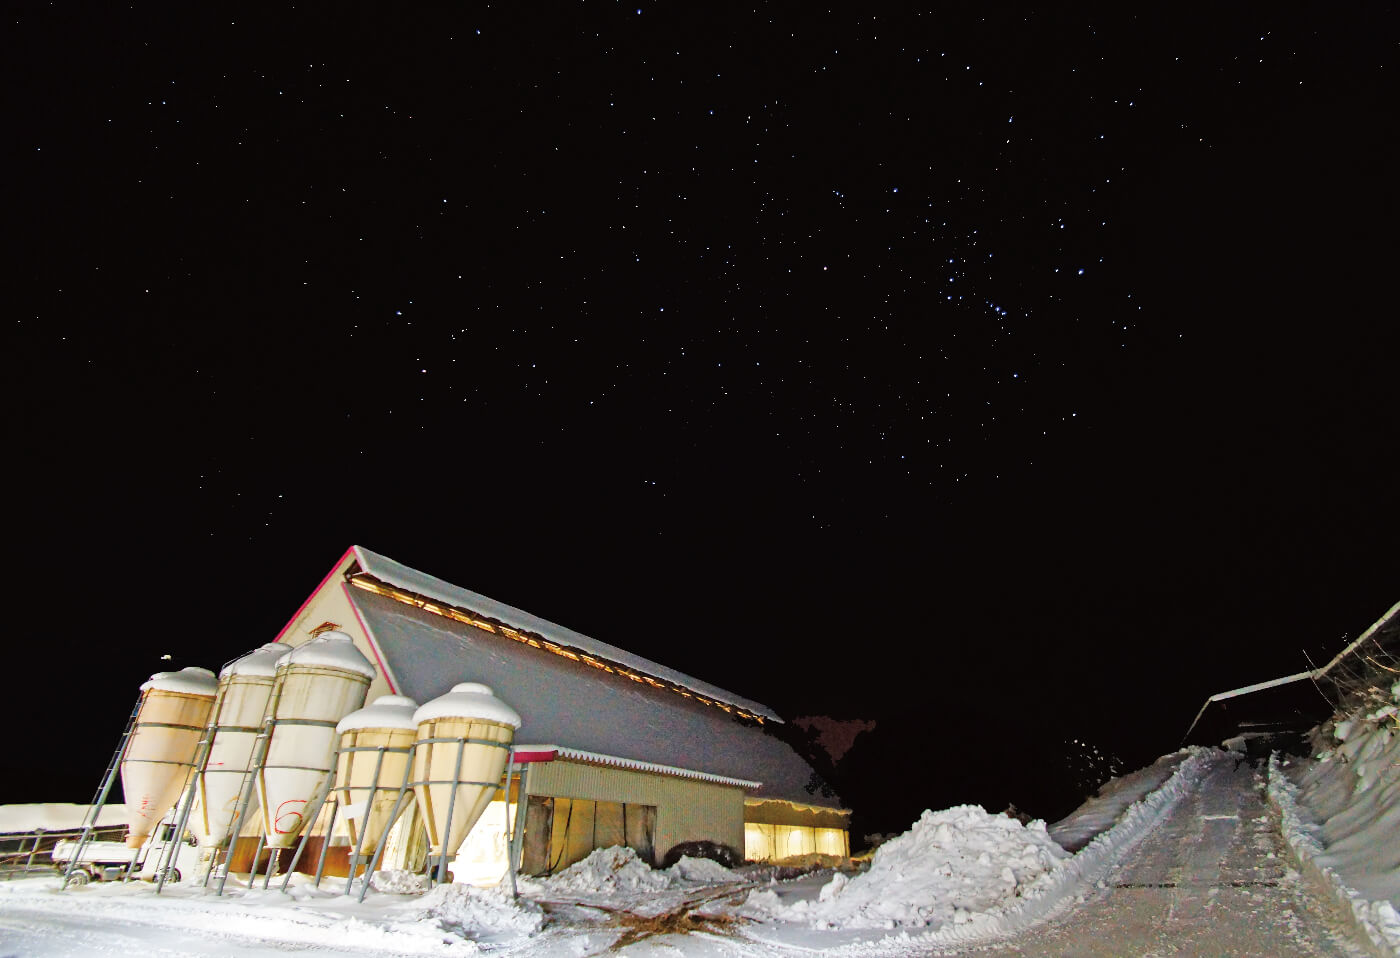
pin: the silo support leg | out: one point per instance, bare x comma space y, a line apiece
451, 807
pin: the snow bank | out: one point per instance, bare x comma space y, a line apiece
956, 895
477, 913
701, 871
619, 871
1342, 820
951, 865
609, 871
1103, 810
397, 881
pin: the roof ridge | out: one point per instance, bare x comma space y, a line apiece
557, 637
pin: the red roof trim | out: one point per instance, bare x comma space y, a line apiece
313, 594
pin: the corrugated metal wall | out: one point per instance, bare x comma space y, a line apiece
686, 809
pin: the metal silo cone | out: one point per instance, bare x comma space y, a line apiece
463, 743
317, 684
162, 749
244, 688
372, 768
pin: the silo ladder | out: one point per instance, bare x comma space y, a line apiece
99, 798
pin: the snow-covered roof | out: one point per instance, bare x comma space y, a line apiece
411, 580
579, 755
57, 817
583, 708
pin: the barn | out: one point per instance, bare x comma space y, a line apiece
615, 749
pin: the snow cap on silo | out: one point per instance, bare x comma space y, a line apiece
468, 700
387, 711
260, 661
191, 680
334, 650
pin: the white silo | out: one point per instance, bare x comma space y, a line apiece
245, 685
372, 768
162, 749
316, 685
462, 745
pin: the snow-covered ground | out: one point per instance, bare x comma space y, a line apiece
958, 875
1341, 818
1183, 857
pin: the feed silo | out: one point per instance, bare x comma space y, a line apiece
372, 769
316, 685
162, 750
245, 685
462, 745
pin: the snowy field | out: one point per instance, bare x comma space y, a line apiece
1182, 849
957, 876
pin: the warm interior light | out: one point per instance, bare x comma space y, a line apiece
766, 843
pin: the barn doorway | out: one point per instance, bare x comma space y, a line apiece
561, 831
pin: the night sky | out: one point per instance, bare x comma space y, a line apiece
1003, 377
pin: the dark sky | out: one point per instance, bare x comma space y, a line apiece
1003, 377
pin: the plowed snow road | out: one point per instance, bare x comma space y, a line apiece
1213, 878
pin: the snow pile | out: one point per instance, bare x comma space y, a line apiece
1105, 808
1342, 819
619, 873
397, 881
1012, 907
478, 912
951, 865
612, 871
701, 871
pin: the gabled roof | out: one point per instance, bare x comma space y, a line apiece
420, 583
569, 702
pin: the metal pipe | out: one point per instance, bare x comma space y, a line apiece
451, 807
384, 839
38, 835
306, 834
510, 835
522, 799
383, 842
250, 775
257, 853
90, 822
326, 844
171, 853
364, 820
274, 858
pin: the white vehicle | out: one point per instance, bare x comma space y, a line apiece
108, 861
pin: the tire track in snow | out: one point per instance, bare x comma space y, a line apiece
1211, 879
